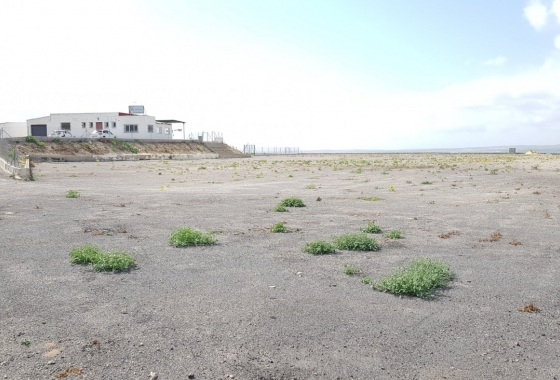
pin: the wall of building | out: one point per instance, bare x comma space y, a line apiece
122, 125
13, 129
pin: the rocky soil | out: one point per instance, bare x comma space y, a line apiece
255, 306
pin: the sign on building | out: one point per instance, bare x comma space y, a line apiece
136, 109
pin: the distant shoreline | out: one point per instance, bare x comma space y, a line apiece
520, 149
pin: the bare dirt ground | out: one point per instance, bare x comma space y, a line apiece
75, 146
256, 306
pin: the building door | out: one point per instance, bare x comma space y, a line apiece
39, 130
99, 125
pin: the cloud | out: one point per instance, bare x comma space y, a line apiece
524, 108
556, 10
536, 13
557, 42
497, 61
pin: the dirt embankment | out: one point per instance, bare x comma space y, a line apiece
109, 146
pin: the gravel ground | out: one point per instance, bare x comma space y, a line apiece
255, 306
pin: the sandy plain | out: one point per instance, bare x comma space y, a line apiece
255, 306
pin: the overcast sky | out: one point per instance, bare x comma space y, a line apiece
348, 74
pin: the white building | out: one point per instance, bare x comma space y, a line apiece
122, 125
13, 129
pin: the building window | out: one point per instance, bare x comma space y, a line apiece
65, 126
91, 124
150, 129
158, 129
131, 128
83, 124
106, 125
114, 124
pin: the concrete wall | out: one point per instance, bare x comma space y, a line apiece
83, 124
16, 172
13, 129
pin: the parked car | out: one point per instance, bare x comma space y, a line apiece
102, 134
60, 133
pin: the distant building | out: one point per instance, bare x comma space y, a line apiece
122, 125
13, 129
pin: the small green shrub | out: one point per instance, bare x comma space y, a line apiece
319, 247
419, 279
129, 147
86, 254
367, 280
278, 227
186, 236
349, 270
356, 242
113, 262
292, 202
371, 228
72, 194
280, 208
394, 234
101, 261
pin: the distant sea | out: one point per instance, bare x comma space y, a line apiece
488, 149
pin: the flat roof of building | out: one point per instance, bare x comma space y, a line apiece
170, 121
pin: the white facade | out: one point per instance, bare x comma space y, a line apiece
13, 129
122, 125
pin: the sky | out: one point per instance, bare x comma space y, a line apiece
315, 74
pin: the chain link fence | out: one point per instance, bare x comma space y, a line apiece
8, 152
251, 149
11, 161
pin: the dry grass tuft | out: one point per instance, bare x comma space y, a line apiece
515, 242
529, 308
493, 238
69, 371
448, 235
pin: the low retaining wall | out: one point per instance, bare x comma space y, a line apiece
122, 157
17, 172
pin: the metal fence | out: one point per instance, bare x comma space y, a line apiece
274, 150
9, 152
4, 134
207, 136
